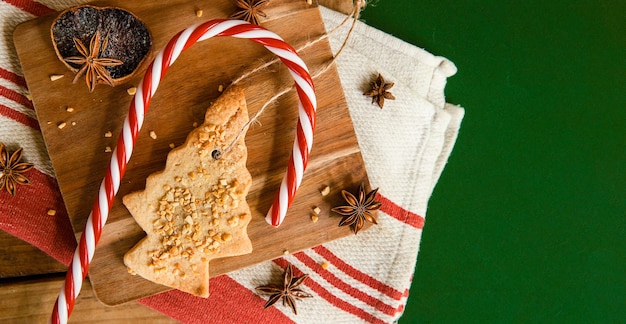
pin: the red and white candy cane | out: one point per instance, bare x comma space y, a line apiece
138, 108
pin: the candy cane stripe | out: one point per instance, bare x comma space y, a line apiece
132, 124
90, 238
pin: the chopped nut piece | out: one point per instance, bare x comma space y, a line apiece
220, 88
226, 237
108, 134
131, 271
131, 91
69, 109
108, 149
285, 252
325, 191
316, 210
325, 265
153, 135
199, 13
314, 218
52, 212
73, 123
62, 125
55, 77
233, 221
172, 145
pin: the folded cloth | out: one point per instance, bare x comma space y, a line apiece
405, 147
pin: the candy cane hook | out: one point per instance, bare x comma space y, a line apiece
132, 124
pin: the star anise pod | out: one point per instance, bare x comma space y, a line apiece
289, 292
250, 10
11, 169
92, 65
379, 91
358, 209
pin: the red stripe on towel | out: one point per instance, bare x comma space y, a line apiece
32, 7
10, 76
15, 96
357, 274
19, 117
343, 286
229, 302
329, 297
399, 213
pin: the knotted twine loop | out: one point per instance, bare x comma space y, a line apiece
354, 16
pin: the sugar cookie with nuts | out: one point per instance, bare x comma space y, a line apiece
195, 210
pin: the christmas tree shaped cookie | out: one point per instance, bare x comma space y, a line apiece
195, 210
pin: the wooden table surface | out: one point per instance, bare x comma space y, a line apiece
30, 279
30, 285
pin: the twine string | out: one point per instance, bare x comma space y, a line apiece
354, 16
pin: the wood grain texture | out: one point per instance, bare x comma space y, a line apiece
31, 301
77, 152
18, 258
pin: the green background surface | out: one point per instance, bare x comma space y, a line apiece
528, 222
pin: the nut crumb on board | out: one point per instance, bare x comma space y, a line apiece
52, 212
55, 77
314, 218
131, 91
108, 149
199, 13
69, 109
108, 134
62, 125
153, 135
325, 191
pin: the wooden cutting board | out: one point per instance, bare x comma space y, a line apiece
78, 150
